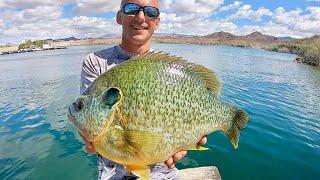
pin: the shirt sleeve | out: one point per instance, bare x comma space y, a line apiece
92, 67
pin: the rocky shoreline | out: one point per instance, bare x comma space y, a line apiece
30, 50
307, 50
253, 40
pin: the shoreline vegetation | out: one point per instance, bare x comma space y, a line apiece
29, 46
307, 49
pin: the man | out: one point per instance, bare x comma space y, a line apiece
139, 19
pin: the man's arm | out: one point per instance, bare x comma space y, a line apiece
92, 67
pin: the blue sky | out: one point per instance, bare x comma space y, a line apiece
42, 19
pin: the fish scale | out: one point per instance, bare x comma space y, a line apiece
160, 104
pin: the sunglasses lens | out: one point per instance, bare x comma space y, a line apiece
131, 9
151, 11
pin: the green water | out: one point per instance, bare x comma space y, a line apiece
281, 140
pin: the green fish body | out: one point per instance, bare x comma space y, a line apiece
148, 108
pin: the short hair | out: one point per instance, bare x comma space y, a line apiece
122, 2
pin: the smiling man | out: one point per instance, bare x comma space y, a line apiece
139, 19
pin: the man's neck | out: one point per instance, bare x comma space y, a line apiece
137, 49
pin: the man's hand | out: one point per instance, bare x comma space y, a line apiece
179, 155
89, 146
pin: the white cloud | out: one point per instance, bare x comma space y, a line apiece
272, 29
245, 12
235, 5
40, 13
30, 5
80, 26
43, 12
299, 22
43, 19
315, 12
193, 24
2, 26
96, 6
190, 6
307, 26
281, 16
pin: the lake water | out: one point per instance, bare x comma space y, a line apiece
281, 141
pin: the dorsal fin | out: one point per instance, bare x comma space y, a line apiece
210, 79
159, 55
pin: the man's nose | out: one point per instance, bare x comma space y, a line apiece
140, 16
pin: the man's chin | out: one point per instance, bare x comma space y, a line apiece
139, 39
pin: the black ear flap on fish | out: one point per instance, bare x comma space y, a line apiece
112, 96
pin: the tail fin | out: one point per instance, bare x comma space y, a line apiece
239, 121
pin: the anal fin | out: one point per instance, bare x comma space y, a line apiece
197, 147
142, 171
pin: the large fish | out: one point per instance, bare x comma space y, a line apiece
143, 111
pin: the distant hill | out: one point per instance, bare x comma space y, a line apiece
66, 39
110, 35
254, 39
259, 36
220, 35
286, 38
171, 35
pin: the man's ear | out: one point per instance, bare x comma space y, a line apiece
119, 14
157, 22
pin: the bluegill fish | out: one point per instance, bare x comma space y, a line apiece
144, 110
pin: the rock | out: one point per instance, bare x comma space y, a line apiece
203, 173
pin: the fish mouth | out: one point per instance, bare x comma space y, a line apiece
70, 116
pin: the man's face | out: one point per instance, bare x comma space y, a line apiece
138, 29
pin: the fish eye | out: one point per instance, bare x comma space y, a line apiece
78, 105
111, 96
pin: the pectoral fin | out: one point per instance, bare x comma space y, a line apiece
138, 143
143, 172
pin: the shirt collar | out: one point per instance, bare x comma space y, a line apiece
127, 53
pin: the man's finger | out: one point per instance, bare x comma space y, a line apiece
88, 145
179, 155
203, 140
172, 166
90, 150
169, 162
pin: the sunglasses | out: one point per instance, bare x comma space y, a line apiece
133, 9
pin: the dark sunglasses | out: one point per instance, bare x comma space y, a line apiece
133, 9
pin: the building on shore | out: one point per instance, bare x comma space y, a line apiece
47, 45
